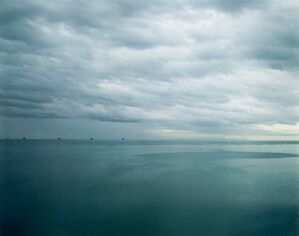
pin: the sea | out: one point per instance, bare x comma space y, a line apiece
136, 188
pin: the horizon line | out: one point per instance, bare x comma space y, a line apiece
148, 140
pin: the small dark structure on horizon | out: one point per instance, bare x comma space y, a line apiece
24, 138
91, 139
123, 139
59, 138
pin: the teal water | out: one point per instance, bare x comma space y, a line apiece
148, 188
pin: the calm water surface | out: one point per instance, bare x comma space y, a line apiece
148, 188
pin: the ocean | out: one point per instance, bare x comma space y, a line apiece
77, 187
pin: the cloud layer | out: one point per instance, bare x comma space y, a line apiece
195, 68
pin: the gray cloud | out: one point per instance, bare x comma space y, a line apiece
201, 66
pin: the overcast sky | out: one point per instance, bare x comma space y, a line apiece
152, 69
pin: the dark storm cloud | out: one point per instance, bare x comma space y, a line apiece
277, 40
196, 65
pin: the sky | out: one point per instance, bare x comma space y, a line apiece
167, 69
